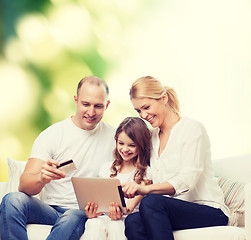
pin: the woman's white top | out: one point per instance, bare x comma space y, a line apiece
186, 164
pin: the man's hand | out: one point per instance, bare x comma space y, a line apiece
50, 172
114, 211
91, 210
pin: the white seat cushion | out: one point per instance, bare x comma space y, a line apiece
211, 233
40, 232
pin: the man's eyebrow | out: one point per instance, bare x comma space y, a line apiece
99, 104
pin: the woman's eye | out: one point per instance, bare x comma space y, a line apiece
147, 107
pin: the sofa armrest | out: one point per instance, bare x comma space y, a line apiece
248, 210
3, 190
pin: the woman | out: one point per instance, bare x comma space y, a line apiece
185, 193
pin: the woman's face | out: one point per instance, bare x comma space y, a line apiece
151, 110
126, 147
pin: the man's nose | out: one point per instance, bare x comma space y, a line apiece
91, 111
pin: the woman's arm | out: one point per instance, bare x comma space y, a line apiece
132, 189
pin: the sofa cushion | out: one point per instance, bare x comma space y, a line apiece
211, 233
40, 232
234, 198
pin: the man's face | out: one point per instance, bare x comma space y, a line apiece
91, 104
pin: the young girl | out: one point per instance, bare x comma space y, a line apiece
132, 158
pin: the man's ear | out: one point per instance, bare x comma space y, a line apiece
107, 104
75, 99
164, 97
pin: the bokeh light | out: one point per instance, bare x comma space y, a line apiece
200, 48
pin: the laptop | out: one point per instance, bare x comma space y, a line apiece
102, 191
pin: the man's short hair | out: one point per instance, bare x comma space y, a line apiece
93, 80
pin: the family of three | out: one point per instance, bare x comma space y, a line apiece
166, 173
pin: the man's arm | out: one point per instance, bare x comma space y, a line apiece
37, 173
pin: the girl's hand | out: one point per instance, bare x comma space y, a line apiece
91, 210
131, 189
114, 211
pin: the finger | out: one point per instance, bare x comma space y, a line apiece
52, 171
52, 162
50, 175
95, 208
99, 213
92, 205
111, 211
87, 207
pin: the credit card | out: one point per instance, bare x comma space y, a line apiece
67, 166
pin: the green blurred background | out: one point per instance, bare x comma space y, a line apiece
201, 48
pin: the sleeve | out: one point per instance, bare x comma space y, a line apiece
45, 144
194, 153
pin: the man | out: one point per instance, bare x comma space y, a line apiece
86, 140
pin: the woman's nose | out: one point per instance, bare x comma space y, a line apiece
143, 115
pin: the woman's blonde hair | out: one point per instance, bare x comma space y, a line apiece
150, 87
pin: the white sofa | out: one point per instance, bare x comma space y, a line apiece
234, 173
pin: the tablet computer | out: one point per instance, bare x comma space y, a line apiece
102, 191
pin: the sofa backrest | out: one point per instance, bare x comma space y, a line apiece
237, 168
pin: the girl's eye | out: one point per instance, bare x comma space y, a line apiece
147, 107
120, 143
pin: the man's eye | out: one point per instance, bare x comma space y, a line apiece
99, 106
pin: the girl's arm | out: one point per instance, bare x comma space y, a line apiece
132, 203
115, 212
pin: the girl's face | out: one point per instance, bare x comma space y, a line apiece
126, 147
151, 110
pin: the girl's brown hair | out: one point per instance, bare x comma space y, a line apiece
137, 130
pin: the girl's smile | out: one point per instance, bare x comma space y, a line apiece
126, 147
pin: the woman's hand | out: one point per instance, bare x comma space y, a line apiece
91, 210
131, 189
114, 211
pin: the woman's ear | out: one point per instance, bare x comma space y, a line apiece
164, 97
